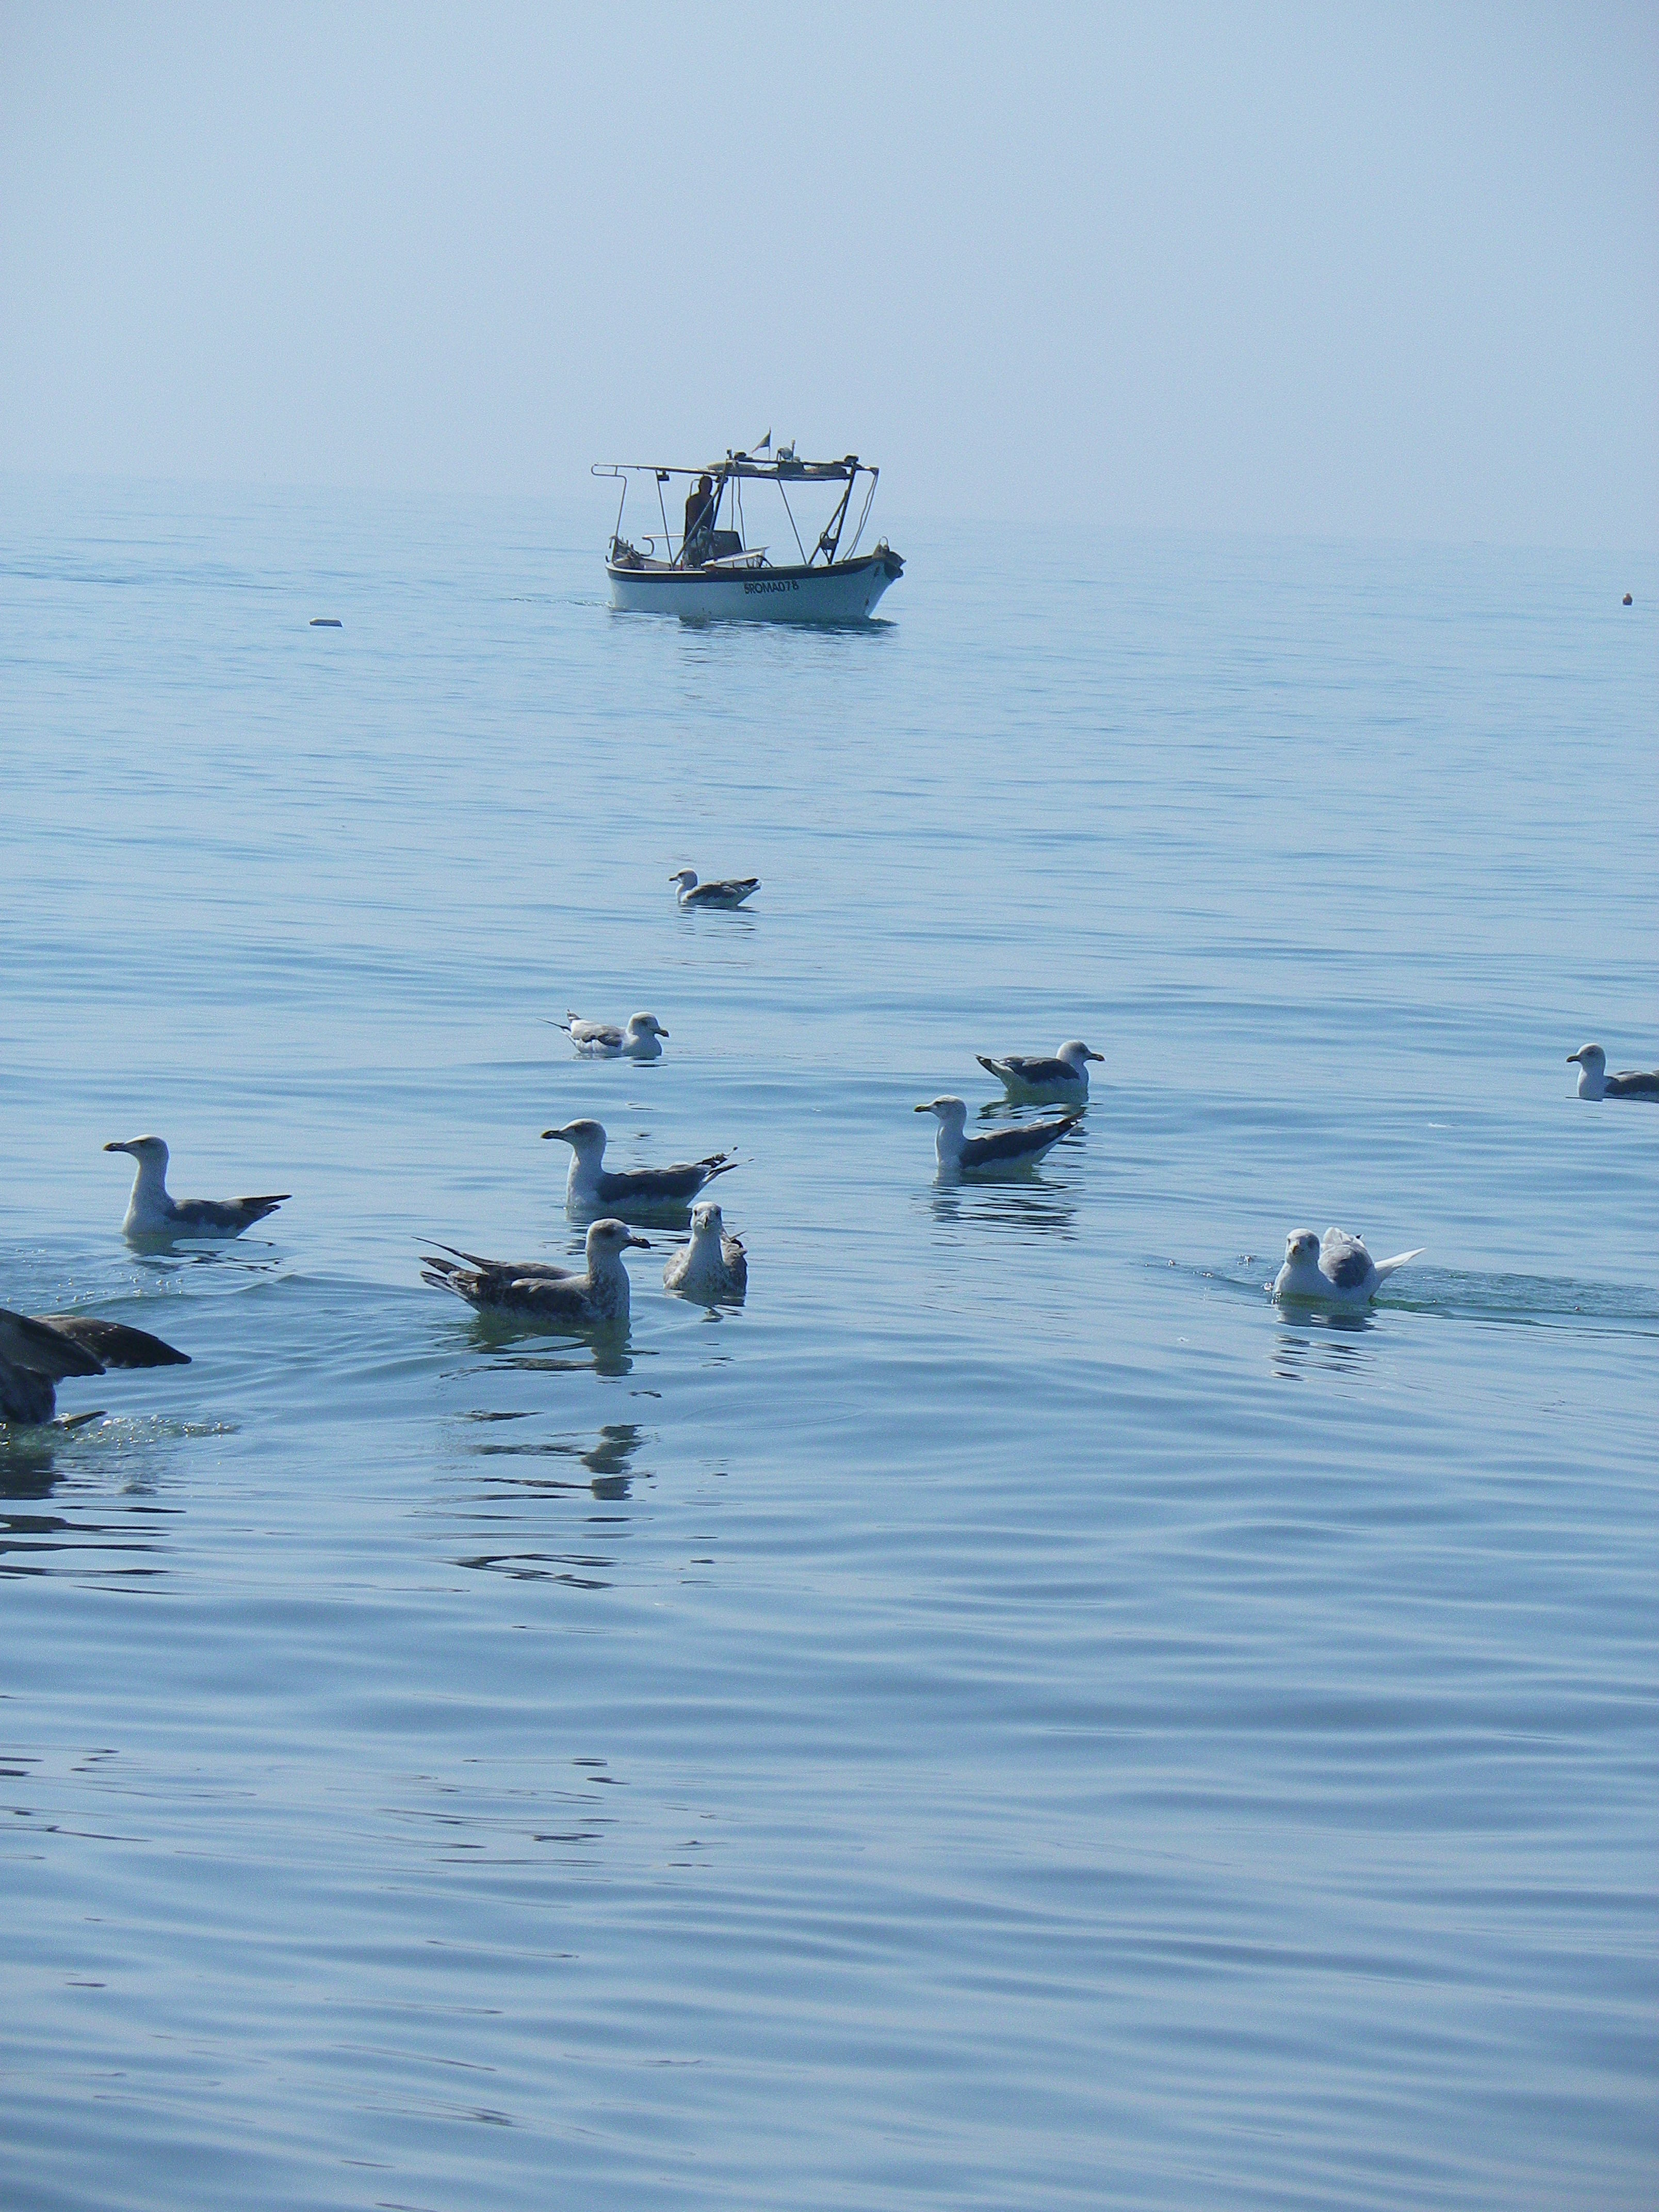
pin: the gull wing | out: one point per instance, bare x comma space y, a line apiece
665, 1185
1027, 1142
114, 1344
1633, 1082
1386, 1268
225, 1217
514, 1270
42, 1349
1343, 1260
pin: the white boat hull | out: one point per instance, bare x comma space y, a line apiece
846, 592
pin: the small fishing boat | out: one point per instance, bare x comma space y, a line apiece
711, 572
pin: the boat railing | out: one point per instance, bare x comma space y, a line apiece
735, 470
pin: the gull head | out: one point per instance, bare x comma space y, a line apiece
586, 1139
1074, 1052
952, 1112
707, 1220
1302, 1248
685, 877
1590, 1058
645, 1025
144, 1150
608, 1239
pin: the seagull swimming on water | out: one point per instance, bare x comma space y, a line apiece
151, 1212
604, 1040
1595, 1082
35, 1356
590, 1184
1054, 1082
1006, 1148
533, 1291
1337, 1271
730, 894
713, 1265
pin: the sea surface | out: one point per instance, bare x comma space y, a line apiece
1003, 1719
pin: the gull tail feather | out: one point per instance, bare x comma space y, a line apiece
1386, 1268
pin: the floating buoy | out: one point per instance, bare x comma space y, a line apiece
333, 622
1628, 601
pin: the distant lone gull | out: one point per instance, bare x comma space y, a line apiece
713, 1265
731, 893
532, 1291
1007, 1148
1054, 1082
591, 1183
151, 1212
640, 1039
35, 1356
1595, 1082
1336, 1272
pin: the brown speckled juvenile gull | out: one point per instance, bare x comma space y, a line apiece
532, 1289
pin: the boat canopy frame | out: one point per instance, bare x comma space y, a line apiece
729, 478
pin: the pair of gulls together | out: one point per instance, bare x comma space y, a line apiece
1063, 1080
37, 1354
712, 1267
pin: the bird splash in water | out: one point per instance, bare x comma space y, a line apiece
1337, 1271
35, 1356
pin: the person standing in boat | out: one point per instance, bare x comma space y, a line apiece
700, 504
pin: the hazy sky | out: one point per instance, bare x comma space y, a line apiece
1343, 270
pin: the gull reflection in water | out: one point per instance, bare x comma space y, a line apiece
598, 1351
1327, 1341
1021, 1201
510, 1497
607, 1458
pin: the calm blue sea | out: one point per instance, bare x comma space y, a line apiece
1004, 1719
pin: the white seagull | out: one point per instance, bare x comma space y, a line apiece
532, 1290
731, 893
151, 1212
713, 1265
1336, 1272
640, 1039
590, 1184
1005, 1148
1595, 1082
35, 1356
1056, 1082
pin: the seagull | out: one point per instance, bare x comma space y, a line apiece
533, 1291
732, 893
1595, 1082
1054, 1082
592, 1185
1338, 1272
35, 1356
151, 1212
604, 1040
1006, 1148
713, 1265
